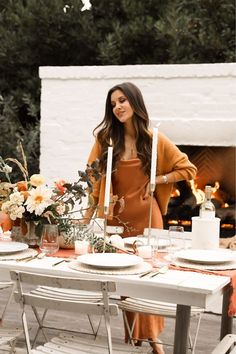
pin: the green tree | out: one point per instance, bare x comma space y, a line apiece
56, 33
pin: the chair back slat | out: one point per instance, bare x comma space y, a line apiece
63, 282
68, 305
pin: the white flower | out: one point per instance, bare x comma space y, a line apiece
39, 199
37, 180
6, 206
16, 211
16, 198
7, 169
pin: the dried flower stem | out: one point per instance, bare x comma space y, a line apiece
24, 159
24, 172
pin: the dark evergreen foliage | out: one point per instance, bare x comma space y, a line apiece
56, 33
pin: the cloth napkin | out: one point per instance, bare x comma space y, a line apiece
229, 242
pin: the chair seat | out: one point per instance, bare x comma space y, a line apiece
5, 284
8, 335
159, 308
81, 345
154, 307
225, 344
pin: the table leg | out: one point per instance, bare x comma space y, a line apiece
182, 324
226, 321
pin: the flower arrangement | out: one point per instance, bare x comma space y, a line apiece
31, 200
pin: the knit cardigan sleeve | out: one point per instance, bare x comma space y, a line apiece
170, 160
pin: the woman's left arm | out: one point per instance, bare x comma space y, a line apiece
172, 164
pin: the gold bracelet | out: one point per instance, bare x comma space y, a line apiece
165, 179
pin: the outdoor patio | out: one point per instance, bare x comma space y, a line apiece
207, 339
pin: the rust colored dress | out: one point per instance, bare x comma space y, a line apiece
129, 182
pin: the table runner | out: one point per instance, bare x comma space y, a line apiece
228, 273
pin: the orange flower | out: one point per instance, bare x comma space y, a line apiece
59, 186
22, 186
25, 194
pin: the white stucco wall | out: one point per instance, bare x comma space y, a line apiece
195, 104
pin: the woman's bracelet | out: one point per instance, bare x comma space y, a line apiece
165, 179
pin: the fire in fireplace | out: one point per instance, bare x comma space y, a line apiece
216, 167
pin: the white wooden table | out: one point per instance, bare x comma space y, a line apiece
184, 288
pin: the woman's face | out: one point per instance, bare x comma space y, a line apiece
121, 106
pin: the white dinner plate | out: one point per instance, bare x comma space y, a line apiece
12, 247
206, 256
109, 260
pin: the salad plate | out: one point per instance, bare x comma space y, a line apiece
109, 260
202, 256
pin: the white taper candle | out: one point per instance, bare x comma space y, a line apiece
154, 157
108, 178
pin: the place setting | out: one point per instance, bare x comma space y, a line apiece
205, 259
11, 250
110, 263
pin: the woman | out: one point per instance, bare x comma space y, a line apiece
126, 123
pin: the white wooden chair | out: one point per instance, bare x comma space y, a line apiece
159, 308
8, 335
62, 294
227, 345
70, 343
10, 286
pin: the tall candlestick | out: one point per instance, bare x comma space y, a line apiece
108, 178
154, 158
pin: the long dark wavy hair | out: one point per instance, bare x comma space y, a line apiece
111, 127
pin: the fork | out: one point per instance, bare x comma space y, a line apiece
161, 270
27, 259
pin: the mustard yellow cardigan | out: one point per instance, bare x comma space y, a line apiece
169, 160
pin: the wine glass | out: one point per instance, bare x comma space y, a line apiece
50, 239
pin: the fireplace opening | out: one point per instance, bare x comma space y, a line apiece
216, 167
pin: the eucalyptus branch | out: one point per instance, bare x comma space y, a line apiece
124, 223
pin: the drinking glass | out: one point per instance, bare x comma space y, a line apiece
50, 239
161, 247
142, 249
177, 239
83, 238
